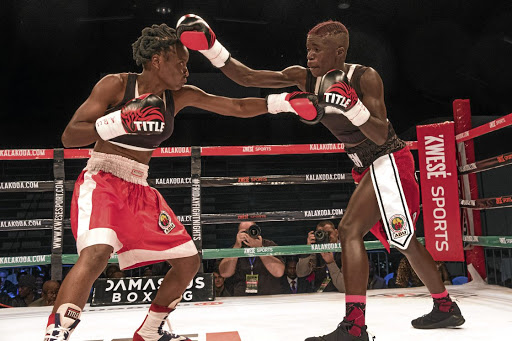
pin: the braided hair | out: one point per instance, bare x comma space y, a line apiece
153, 40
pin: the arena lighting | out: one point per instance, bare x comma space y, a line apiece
164, 8
344, 4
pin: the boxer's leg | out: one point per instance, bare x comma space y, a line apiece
168, 296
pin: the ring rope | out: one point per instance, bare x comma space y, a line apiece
208, 218
490, 163
496, 124
282, 250
487, 203
206, 181
489, 241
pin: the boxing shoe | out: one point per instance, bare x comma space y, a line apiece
440, 319
152, 327
65, 321
158, 335
341, 334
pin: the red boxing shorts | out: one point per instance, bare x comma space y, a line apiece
112, 204
398, 196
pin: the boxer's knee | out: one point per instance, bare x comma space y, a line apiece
348, 230
94, 258
187, 264
95, 255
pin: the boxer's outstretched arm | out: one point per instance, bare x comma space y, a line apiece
302, 104
245, 76
197, 35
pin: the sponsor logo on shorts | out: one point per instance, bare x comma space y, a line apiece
165, 223
398, 226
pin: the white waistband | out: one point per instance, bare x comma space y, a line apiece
124, 168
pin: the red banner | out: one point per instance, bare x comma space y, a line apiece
439, 191
25, 154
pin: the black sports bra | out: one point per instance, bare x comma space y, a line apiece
144, 142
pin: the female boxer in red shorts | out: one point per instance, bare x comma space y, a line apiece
113, 209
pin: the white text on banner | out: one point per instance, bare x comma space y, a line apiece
439, 191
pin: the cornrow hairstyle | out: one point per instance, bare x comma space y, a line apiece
153, 40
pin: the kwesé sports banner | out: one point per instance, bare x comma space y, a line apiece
141, 290
439, 191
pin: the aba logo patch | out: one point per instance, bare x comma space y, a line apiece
398, 225
397, 222
165, 223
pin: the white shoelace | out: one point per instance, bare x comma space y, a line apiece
62, 336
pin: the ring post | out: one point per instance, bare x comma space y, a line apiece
468, 186
195, 210
58, 213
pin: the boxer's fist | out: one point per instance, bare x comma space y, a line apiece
339, 97
303, 104
143, 115
195, 34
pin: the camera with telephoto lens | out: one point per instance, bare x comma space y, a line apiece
254, 231
321, 237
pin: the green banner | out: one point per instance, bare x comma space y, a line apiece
213, 253
489, 241
285, 250
6, 262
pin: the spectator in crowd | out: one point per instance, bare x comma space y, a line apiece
13, 276
39, 285
290, 282
220, 288
407, 277
323, 269
118, 274
48, 294
252, 275
26, 291
110, 269
147, 272
443, 271
7, 288
374, 280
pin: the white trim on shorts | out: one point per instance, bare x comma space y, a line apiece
392, 203
135, 256
84, 236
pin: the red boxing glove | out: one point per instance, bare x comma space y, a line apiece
303, 104
341, 95
143, 115
340, 98
195, 34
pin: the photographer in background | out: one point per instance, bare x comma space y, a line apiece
252, 275
326, 266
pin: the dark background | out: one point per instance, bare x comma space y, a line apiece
427, 52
